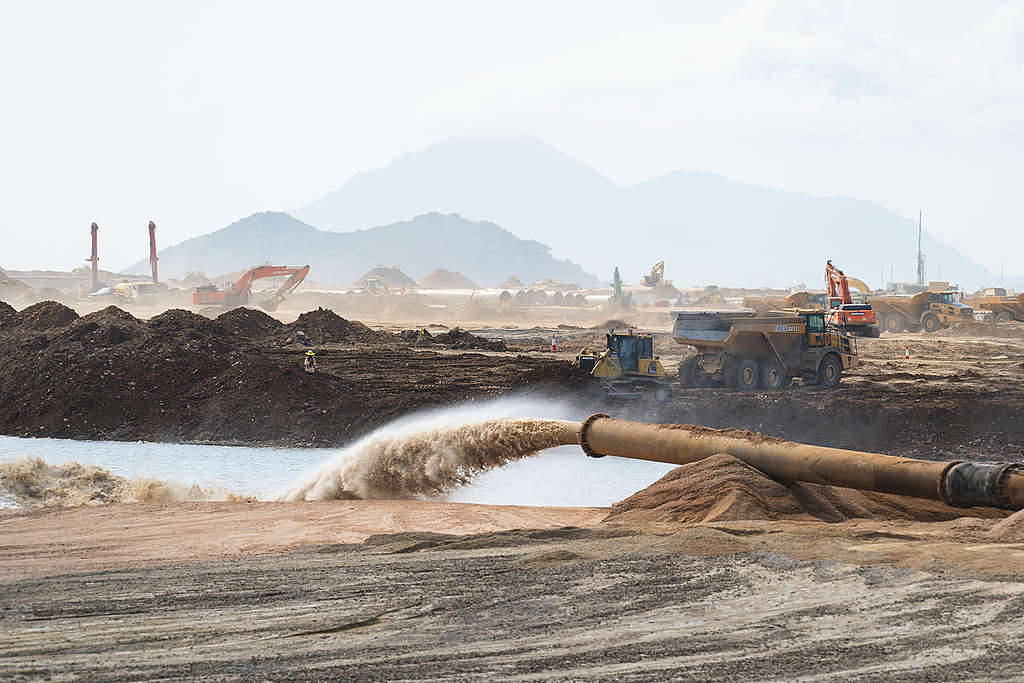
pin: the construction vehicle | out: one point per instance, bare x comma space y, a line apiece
656, 276
627, 367
741, 350
997, 307
240, 293
928, 311
135, 292
765, 305
843, 313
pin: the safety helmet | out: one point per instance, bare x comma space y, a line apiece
310, 353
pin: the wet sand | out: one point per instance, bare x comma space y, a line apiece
273, 590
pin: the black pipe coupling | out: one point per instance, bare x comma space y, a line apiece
970, 484
583, 435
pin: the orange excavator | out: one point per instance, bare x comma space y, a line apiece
240, 293
843, 313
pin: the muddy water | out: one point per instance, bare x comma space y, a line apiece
560, 476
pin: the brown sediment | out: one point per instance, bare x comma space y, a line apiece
429, 461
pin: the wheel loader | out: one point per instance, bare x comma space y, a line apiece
627, 367
739, 350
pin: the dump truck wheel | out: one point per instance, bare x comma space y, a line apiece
830, 371
744, 373
891, 324
688, 372
1003, 317
663, 393
773, 375
930, 322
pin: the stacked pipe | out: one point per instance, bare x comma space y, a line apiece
956, 483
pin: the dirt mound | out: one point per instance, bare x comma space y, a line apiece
324, 326
1010, 330
1010, 529
446, 279
248, 322
105, 327
45, 315
454, 339
722, 488
178, 321
390, 276
7, 312
460, 339
613, 324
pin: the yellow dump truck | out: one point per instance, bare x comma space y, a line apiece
996, 308
743, 351
928, 311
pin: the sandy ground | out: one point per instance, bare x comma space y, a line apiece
781, 600
37, 543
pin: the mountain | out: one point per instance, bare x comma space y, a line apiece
483, 251
707, 229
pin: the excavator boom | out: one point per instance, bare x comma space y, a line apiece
241, 291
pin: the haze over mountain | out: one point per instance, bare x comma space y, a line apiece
707, 229
483, 251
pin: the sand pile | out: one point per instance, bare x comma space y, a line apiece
1010, 529
722, 488
45, 315
1010, 330
428, 461
446, 279
324, 326
33, 483
248, 322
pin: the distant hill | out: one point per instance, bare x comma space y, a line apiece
482, 251
709, 230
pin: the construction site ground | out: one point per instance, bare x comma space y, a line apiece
415, 589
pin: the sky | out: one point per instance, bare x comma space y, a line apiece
195, 114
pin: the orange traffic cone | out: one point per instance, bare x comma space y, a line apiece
906, 353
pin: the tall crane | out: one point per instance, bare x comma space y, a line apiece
152, 250
842, 312
94, 259
240, 293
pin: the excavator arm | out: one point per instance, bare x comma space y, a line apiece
838, 285
656, 276
297, 276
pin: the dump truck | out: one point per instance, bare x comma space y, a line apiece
627, 367
928, 311
997, 308
743, 351
766, 305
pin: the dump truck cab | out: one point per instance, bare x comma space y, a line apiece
627, 366
741, 351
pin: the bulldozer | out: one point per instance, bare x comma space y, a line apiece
743, 351
627, 367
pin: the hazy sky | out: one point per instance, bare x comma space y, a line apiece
195, 114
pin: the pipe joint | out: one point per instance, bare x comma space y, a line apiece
584, 428
971, 484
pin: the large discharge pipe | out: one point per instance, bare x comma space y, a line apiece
956, 483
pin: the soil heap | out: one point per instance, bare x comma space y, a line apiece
106, 327
723, 488
454, 339
324, 326
45, 315
7, 312
248, 322
446, 279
